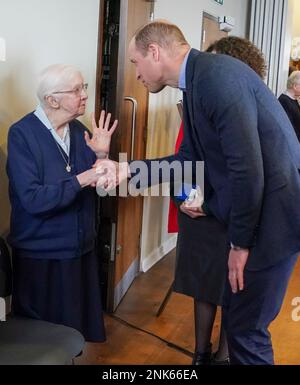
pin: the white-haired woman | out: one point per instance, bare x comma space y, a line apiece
290, 101
51, 180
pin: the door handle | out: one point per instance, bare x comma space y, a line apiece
133, 123
113, 241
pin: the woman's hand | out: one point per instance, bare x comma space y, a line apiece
192, 212
193, 206
100, 141
88, 178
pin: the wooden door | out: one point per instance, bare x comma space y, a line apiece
210, 31
121, 218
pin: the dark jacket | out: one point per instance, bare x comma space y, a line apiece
51, 216
235, 124
292, 108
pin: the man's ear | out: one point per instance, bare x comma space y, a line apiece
52, 101
154, 51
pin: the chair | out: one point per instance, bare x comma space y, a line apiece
25, 341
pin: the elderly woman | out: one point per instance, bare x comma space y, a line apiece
51, 180
290, 101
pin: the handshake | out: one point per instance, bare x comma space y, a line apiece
105, 174
111, 174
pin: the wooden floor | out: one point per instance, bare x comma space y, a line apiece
135, 335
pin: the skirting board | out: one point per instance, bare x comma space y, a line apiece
158, 254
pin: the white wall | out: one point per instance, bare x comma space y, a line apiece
293, 9
294, 27
296, 18
163, 117
187, 14
39, 33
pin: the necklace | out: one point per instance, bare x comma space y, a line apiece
66, 159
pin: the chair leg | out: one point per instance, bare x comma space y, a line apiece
165, 300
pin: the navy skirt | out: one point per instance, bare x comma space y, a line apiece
201, 258
64, 292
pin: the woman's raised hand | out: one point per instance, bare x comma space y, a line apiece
102, 133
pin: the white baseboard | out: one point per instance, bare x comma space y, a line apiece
158, 253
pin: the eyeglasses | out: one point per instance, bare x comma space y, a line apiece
77, 90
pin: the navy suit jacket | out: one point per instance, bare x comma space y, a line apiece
235, 124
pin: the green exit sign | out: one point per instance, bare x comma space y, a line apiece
221, 2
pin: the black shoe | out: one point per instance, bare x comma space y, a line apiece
202, 358
214, 361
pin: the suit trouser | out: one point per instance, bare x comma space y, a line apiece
248, 314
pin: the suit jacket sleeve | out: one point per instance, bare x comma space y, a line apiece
230, 104
144, 172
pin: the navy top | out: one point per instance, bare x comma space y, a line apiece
52, 217
292, 109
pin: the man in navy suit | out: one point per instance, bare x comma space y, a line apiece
235, 124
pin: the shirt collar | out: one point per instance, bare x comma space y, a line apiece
182, 76
290, 95
41, 115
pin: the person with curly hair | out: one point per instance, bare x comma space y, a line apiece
243, 50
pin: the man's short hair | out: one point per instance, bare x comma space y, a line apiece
160, 32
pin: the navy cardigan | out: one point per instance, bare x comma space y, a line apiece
52, 217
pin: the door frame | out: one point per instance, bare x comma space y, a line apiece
109, 208
211, 17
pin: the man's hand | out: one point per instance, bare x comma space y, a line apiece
193, 212
236, 264
111, 173
100, 141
